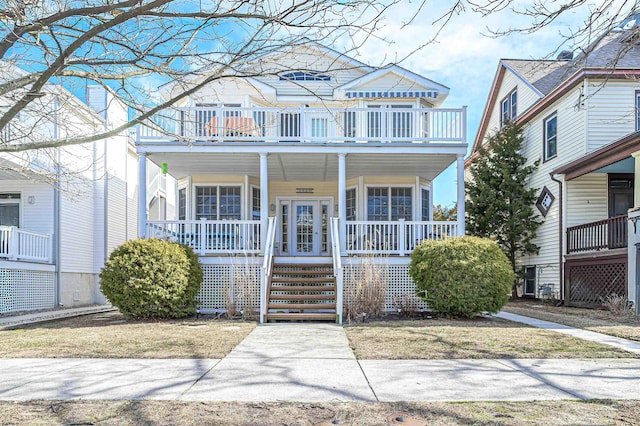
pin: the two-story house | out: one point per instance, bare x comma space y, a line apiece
579, 116
62, 210
304, 165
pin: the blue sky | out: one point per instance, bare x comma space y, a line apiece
463, 58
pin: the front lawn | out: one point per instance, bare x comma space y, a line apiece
112, 335
479, 338
598, 320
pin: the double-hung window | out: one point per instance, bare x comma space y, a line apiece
10, 209
218, 202
509, 108
385, 203
550, 137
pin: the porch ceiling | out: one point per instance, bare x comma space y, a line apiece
304, 166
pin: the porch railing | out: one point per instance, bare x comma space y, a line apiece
601, 235
394, 237
209, 236
320, 125
20, 244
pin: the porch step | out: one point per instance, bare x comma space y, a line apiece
302, 288
301, 317
297, 291
303, 306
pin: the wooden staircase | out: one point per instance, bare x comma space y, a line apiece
301, 292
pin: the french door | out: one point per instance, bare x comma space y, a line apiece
305, 227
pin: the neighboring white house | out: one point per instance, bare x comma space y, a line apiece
316, 160
58, 224
579, 117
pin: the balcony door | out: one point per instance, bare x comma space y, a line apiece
390, 121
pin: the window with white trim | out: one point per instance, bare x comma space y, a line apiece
182, 204
509, 108
550, 136
218, 202
637, 110
255, 203
10, 209
351, 203
389, 203
425, 204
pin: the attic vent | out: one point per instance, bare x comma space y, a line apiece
565, 55
305, 76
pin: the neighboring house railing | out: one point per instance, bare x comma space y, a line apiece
209, 236
321, 125
394, 237
601, 235
19, 244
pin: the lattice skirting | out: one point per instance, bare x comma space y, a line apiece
590, 280
230, 283
400, 286
22, 290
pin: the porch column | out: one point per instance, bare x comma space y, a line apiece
342, 201
264, 199
460, 165
142, 195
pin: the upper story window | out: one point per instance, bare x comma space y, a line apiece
550, 136
637, 110
509, 108
305, 76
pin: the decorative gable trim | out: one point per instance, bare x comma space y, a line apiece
430, 85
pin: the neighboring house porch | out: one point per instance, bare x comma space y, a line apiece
303, 192
599, 190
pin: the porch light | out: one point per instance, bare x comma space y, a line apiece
31, 199
272, 208
364, 316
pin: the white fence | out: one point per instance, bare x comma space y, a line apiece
322, 125
19, 244
209, 236
394, 237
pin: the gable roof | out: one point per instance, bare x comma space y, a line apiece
615, 54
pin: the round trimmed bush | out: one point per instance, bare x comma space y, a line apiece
462, 276
152, 279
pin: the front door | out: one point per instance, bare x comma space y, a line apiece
305, 232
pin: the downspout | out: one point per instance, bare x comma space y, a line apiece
105, 199
561, 236
57, 205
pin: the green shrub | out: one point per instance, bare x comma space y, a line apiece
152, 279
462, 276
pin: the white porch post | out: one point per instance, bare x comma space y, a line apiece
142, 195
264, 199
460, 165
342, 201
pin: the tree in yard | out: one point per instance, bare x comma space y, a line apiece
500, 205
445, 213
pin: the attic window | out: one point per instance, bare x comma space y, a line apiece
305, 76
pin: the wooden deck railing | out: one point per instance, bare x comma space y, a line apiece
601, 235
394, 237
20, 244
319, 125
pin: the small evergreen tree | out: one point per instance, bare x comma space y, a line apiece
499, 204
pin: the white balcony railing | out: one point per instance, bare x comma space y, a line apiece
19, 244
394, 237
209, 236
319, 125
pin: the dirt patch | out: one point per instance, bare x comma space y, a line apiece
479, 338
112, 335
308, 414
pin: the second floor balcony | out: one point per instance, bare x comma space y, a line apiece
607, 234
373, 124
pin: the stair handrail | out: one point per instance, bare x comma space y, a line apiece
337, 265
267, 265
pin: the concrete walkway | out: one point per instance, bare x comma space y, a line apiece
617, 342
313, 362
32, 318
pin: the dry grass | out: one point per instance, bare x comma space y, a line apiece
601, 321
111, 335
271, 414
487, 338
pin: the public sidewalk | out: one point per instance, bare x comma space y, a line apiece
313, 362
